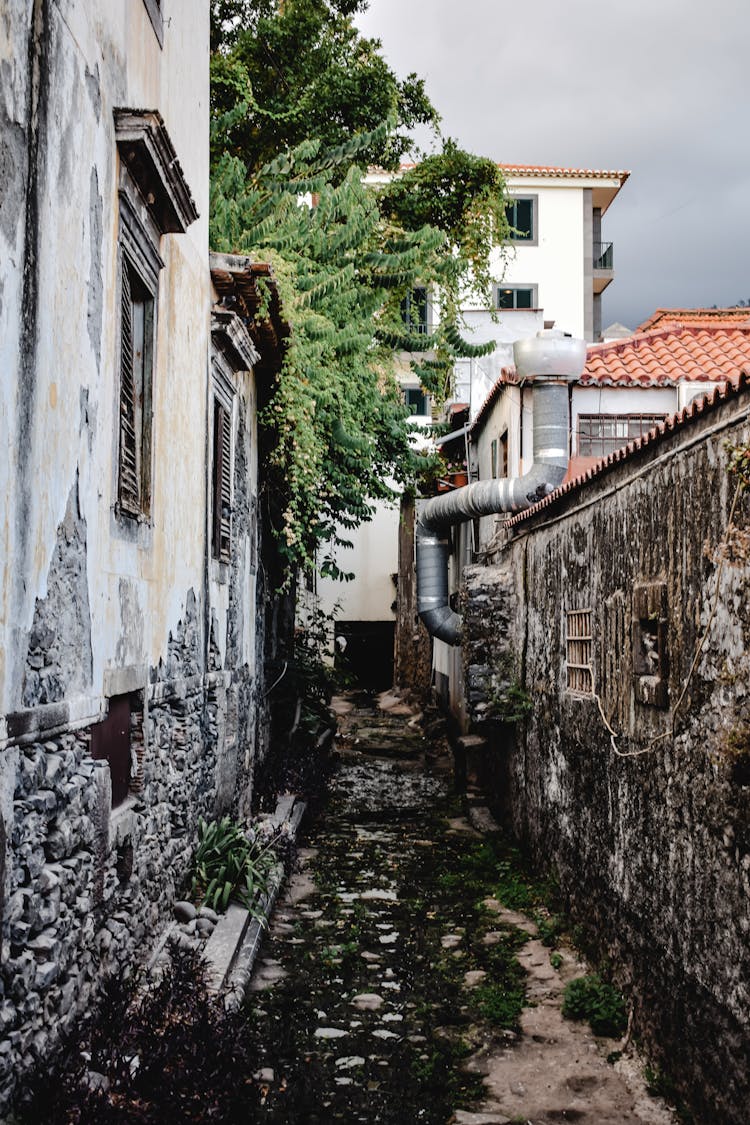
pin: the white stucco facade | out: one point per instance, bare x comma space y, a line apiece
60, 403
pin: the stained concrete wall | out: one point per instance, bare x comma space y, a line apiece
91, 605
648, 830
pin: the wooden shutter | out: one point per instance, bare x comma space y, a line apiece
222, 483
128, 485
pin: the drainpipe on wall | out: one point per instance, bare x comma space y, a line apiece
550, 361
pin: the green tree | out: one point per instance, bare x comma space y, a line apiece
297, 77
303, 70
339, 425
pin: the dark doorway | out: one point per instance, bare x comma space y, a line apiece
364, 649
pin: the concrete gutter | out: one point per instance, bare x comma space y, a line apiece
231, 950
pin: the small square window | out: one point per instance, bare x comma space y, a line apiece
579, 653
516, 297
416, 400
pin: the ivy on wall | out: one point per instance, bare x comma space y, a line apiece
344, 255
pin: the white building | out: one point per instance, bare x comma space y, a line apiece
552, 274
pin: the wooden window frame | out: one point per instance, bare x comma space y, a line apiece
579, 652
221, 481
139, 268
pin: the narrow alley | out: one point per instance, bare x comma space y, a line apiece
403, 979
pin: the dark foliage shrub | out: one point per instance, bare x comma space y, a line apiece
158, 1054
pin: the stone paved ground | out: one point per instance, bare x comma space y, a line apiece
388, 989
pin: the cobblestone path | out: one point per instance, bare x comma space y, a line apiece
389, 986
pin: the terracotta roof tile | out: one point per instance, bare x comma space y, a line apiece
695, 410
507, 376
670, 318
554, 172
546, 171
711, 353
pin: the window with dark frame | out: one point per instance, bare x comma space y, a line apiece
499, 457
516, 297
414, 311
520, 215
598, 435
222, 483
416, 400
579, 651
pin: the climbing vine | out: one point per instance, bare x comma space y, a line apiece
344, 259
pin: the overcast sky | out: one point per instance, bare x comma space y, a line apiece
656, 87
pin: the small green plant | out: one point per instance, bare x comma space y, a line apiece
501, 1004
230, 865
555, 960
739, 462
550, 929
509, 703
593, 999
660, 1085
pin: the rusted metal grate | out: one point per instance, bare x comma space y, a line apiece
579, 651
602, 434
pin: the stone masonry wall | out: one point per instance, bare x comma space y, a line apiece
646, 824
88, 888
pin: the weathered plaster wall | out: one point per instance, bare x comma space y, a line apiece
651, 841
86, 888
92, 606
59, 230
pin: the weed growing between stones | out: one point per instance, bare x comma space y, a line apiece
593, 999
660, 1085
167, 1054
396, 973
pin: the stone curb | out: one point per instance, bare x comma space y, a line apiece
233, 946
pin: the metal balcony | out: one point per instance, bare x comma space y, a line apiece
604, 258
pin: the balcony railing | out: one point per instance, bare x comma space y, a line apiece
604, 258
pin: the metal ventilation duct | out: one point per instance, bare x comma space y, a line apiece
551, 360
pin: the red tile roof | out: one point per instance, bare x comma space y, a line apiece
507, 376
686, 417
543, 171
670, 318
711, 353
549, 171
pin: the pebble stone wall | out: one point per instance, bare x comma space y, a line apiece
89, 888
